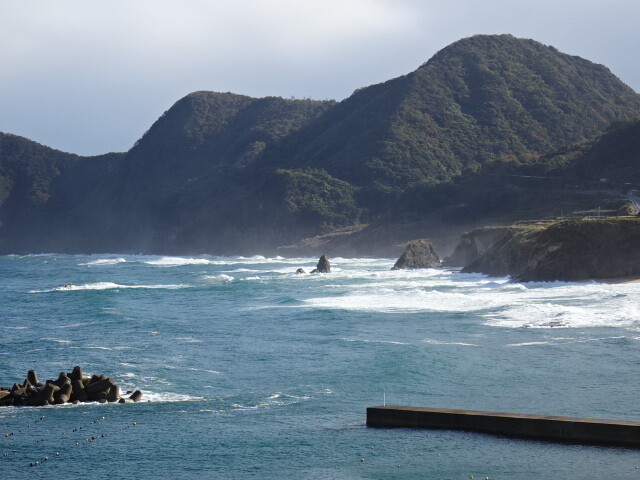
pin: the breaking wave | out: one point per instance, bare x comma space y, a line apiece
69, 287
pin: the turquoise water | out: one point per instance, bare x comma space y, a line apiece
251, 371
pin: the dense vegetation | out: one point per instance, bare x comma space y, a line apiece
492, 129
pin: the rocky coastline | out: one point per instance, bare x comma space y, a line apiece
567, 250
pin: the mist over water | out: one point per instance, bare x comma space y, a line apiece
252, 371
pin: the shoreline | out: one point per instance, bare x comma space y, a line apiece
620, 280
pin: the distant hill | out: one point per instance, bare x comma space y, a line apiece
490, 130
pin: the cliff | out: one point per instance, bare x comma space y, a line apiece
569, 250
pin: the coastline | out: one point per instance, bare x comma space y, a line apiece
618, 280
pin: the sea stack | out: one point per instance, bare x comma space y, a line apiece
323, 266
419, 254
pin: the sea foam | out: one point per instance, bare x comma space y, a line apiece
104, 286
104, 261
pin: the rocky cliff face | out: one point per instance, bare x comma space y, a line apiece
570, 250
474, 244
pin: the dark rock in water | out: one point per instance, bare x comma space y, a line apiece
419, 254
136, 396
323, 265
73, 387
300, 270
113, 394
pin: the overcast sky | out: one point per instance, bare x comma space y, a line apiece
90, 76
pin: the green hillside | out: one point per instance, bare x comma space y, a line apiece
478, 100
491, 130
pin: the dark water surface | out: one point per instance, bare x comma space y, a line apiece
251, 371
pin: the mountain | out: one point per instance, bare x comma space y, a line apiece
478, 100
444, 148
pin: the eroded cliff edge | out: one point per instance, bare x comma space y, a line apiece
568, 250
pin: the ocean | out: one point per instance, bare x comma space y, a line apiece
250, 370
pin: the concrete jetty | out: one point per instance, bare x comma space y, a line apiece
542, 427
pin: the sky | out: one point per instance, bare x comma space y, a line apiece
90, 77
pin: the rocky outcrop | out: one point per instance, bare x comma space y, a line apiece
323, 265
570, 250
418, 254
73, 387
474, 244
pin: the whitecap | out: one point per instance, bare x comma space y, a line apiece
150, 396
363, 340
220, 278
96, 347
105, 261
560, 314
98, 286
441, 342
177, 261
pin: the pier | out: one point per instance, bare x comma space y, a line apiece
542, 427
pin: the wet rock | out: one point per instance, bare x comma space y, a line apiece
300, 270
419, 254
113, 394
136, 396
323, 265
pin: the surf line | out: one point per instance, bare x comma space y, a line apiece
540, 427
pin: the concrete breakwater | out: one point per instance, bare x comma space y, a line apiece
73, 387
543, 427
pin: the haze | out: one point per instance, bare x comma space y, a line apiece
91, 77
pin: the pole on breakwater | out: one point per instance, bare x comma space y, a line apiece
540, 427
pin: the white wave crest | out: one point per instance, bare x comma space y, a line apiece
149, 396
69, 287
557, 314
188, 339
276, 400
105, 261
364, 340
178, 261
431, 341
221, 278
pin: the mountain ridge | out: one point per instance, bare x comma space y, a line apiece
228, 173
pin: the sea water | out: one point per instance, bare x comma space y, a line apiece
250, 370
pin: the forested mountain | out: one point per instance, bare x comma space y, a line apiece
478, 100
226, 173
